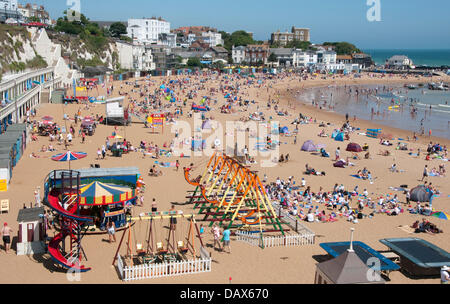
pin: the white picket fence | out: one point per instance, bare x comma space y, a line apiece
151, 271
288, 240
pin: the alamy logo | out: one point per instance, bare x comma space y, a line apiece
74, 273
74, 12
374, 12
249, 139
373, 274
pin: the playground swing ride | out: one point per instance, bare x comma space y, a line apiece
157, 248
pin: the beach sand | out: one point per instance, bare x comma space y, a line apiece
246, 264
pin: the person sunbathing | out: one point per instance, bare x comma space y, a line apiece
384, 153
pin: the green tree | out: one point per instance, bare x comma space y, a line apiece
34, 19
343, 48
238, 38
117, 29
273, 58
194, 62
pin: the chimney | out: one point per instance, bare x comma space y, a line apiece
351, 240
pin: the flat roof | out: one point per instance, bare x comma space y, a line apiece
419, 251
99, 172
363, 251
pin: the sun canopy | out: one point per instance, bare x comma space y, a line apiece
97, 193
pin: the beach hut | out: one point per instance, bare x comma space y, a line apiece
308, 146
21, 128
31, 238
5, 174
16, 145
353, 147
347, 268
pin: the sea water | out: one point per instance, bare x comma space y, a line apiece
394, 106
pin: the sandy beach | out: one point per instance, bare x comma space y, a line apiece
246, 264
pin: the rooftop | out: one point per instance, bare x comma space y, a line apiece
30, 214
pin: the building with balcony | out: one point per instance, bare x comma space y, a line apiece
296, 34
256, 54
22, 92
147, 30
33, 10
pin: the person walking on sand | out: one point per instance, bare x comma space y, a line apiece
154, 205
177, 165
6, 234
216, 233
111, 231
226, 239
338, 153
425, 172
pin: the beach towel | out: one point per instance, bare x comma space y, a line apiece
356, 176
407, 229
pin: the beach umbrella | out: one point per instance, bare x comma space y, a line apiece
420, 194
47, 118
69, 156
441, 215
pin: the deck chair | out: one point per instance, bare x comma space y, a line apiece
139, 248
182, 248
160, 248
4, 206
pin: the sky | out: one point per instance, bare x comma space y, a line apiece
405, 24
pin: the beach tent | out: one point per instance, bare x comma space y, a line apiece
309, 146
420, 194
339, 137
284, 130
339, 164
353, 147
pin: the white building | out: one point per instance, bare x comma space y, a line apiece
169, 39
326, 57
212, 38
304, 58
147, 30
238, 54
10, 5
10, 9
399, 62
135, 57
